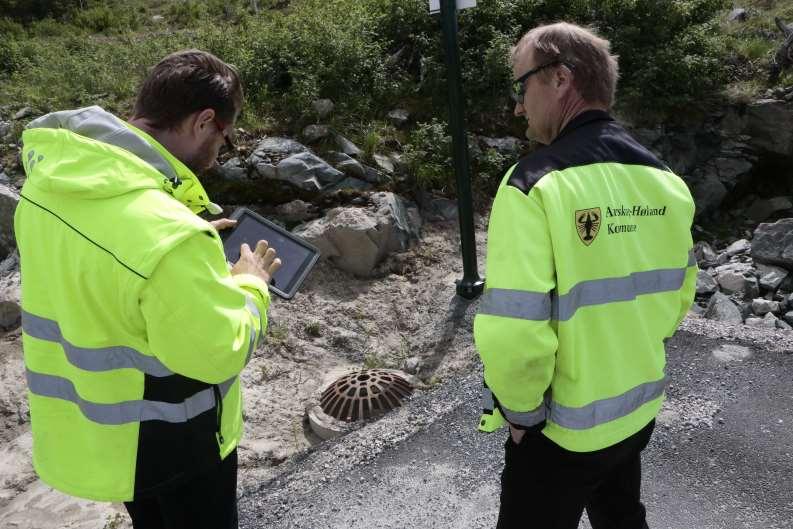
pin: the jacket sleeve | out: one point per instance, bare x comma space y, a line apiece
201, 321
512, 330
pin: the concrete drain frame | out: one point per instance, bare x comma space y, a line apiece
359, 396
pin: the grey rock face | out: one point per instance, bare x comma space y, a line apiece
398, 116
347, 147
767, 322
721, 308
314, 133
351, 183
322, 107
705, 283
788, 317
732, 282
10, 305
346, 164
761, 306
740, 246
24, 112
761, 209
357, 239
508, 146
708, 191
773, 243
384, 163
771, 276
704, 254
9, 199
307, 172
233, 170
769, 124
5, 130
738, 15
295, 211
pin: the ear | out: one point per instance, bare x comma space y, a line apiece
202, 122
562, 80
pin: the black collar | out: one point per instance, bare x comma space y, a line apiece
584, 118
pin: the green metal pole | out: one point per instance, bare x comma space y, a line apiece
471, 285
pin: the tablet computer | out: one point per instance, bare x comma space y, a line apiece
297, 256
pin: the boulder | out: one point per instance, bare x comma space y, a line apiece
307, 172
722, 308
346, 164
788, 317
740, 246
782, 325
768, 322
771, 276
314, 133
356, 239
761, 209
761, 306
322, 107
738, 14
704, 254
508, 146
9, 199
296, 211
24, 112
773, 243
233, 169
346, 146
705, 283
398, 117
732, 282
385, 163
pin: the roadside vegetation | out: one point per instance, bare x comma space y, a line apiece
678, 58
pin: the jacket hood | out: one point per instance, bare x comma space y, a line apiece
91, 154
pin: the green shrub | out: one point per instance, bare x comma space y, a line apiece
106, 19
27, 10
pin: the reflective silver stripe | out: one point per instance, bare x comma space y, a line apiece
93, 359
605, 410
251, 306
540, 306
487, 399
525, 418
609, 290
516, 304
128, 411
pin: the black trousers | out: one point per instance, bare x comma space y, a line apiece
207, 501
544, 486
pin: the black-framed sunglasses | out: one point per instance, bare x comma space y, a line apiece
226, 137
518, 87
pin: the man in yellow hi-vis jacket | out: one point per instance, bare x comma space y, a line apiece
589, 269
134, 328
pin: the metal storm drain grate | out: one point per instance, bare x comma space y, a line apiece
362, 394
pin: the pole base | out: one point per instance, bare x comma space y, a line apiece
470, 288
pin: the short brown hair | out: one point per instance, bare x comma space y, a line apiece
185, 82
595, 69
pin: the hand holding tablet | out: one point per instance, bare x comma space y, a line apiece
296, 256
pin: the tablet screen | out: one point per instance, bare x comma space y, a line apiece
295, 254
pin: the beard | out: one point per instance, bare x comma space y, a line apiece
203, 158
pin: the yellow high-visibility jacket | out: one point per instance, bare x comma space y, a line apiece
134, 332
589, 268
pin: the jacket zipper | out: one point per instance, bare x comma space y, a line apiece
219, 407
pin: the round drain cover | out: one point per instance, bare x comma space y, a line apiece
362, 394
